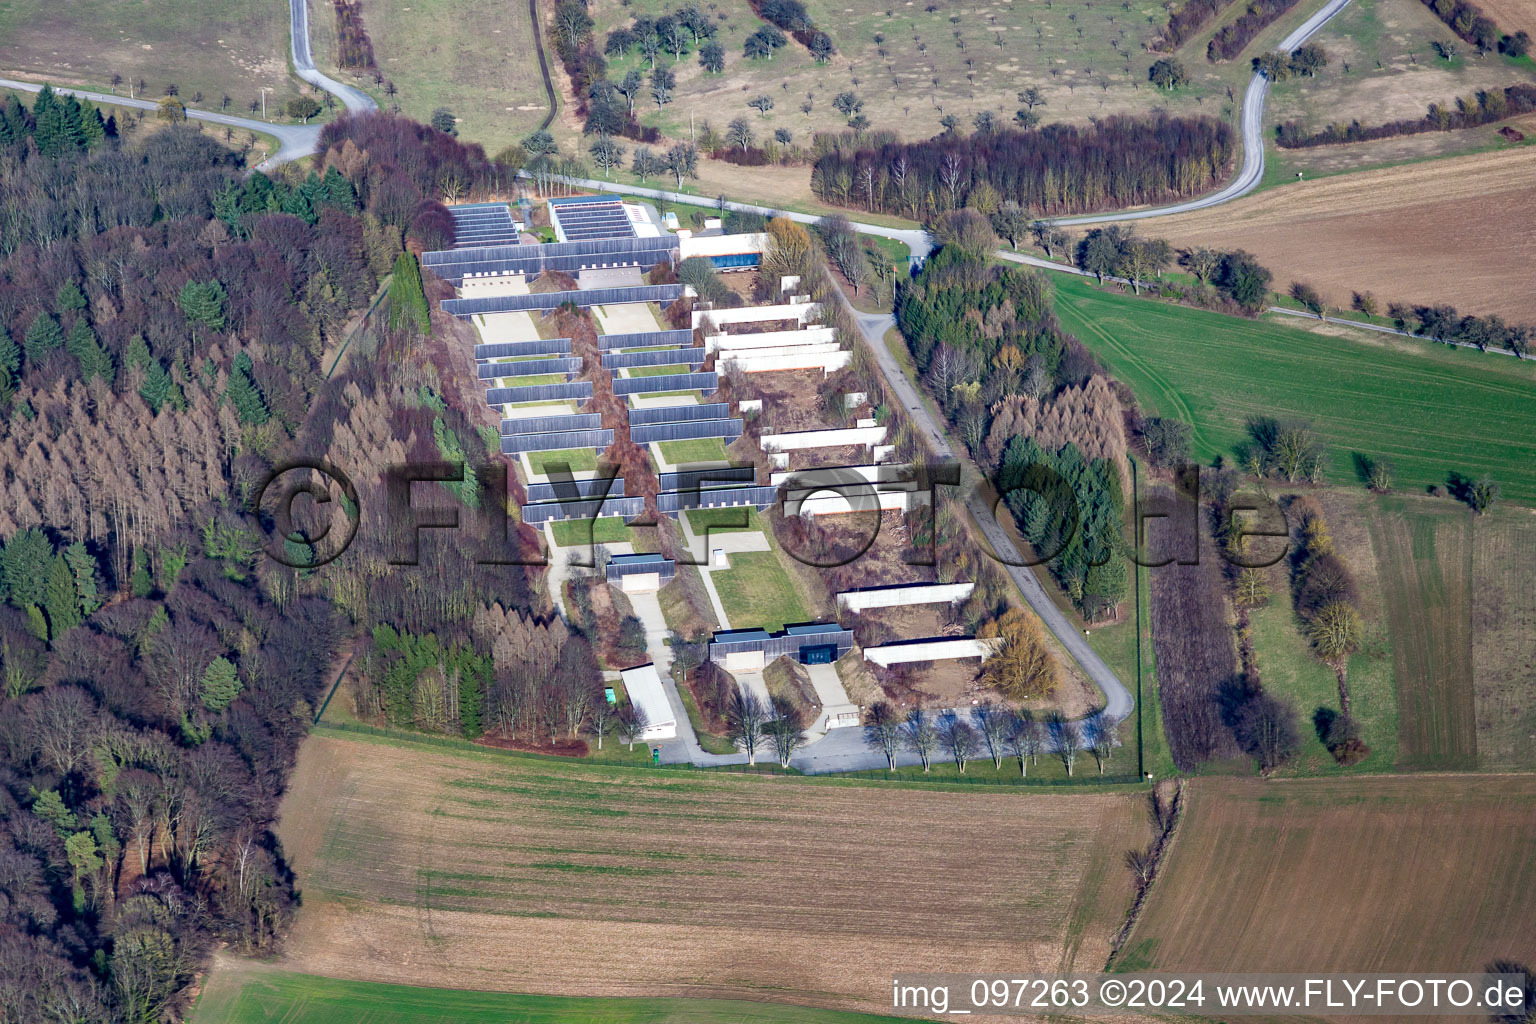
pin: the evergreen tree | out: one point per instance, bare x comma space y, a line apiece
156, 389
69, 298
339, 191
43, 337
60, 602
24, 566
142, 581
10, 367
138, 353
82, 567
13, 121
249, 405
220, 685
202, 302
92, 128
86, 347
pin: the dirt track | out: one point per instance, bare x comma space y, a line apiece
1442, 231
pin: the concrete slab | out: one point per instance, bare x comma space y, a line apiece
496, 328
662, 401
626, 318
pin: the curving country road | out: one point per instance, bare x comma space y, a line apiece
1252, 170
295, 141
354, 100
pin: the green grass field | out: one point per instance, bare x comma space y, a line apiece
240, 992
703, 449
578, 459
574, 532
529, 380
724, 520
756, 592
1429, 410
659, 371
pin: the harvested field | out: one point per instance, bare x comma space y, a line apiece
1193, 643
1512, 15
487, 871
1419, 233
1363, 874
1428, 581
1504, 638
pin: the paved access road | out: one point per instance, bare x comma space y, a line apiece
295, 141
355, 100
1252, 170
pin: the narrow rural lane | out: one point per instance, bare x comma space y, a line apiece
295, 141
355, 100
1118, 700
1252, 170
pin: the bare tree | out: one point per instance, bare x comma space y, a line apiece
882, 730
786, 730
920, 735
1023, 736
601, 719
631, 723
958, 738
745, 716
1066, 736
992, 723
1099, 733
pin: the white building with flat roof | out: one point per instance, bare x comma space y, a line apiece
643, 685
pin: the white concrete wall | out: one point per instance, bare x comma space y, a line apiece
821, 438
771, 339
937, 649
892, 597
833, 503
811, 478
756, 314
827, 362
492, 284
768, 352
721, 245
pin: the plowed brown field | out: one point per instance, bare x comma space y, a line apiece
447, 868
1511, 15
1365, 874
1439, 231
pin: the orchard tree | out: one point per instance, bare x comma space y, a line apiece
1168, 74
762, 104
712, 57
739, 133
607, 154
682, 161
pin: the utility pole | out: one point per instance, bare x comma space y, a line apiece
263, 103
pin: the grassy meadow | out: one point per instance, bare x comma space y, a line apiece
1430, 410
212, 48
241, 992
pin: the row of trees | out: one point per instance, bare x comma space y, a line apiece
791, 16
1469, 21
354, 50
996, 731
1186, 21
1483, 107
1056, 170
1234, 37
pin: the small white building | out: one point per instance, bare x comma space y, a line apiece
643, 685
